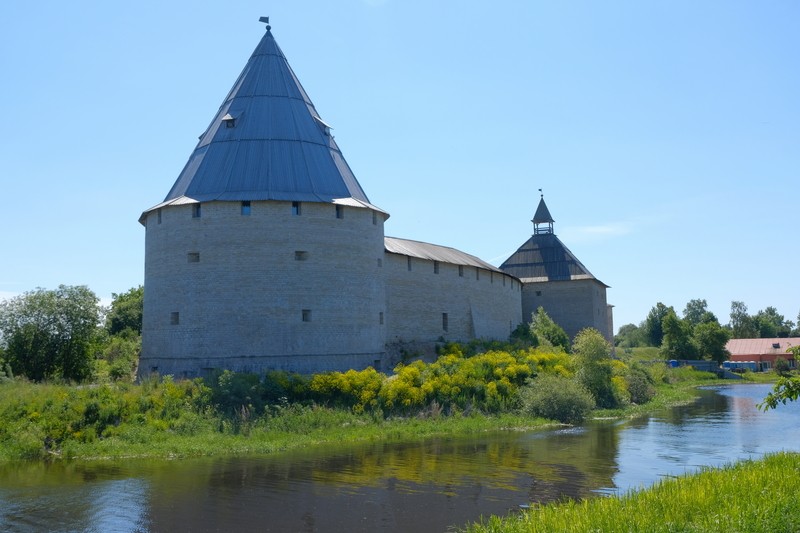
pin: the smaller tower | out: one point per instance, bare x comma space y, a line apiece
553, 278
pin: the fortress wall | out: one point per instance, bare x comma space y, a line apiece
484, 306
268, 290
573, 305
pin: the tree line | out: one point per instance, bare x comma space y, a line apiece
698, 333
65, 334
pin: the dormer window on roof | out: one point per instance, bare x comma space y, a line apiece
229, 121
326, 129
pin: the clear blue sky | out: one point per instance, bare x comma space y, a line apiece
666, 135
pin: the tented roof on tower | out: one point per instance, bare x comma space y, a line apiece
544, 257
267, 142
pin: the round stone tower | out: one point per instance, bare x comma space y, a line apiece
266, 253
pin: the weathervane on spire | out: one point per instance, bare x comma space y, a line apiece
541, 193
265, 20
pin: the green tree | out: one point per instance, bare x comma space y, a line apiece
543, 327
694, 311
630, 336
51, 333
710, 338
593, 357
652, 325
771, 324
742, 325
677, 342
126, 312
707, 317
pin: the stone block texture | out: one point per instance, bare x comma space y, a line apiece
271, 289
573, 304
457, 303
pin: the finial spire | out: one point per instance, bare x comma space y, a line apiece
265, 20
542, 220
541, 194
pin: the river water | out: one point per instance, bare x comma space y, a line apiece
412, 486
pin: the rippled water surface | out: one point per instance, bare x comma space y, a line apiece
418, 486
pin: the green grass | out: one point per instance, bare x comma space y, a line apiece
39, 421
641, 354
675, 386
308, 426
179, 419
750, 496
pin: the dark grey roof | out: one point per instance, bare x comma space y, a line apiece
545, 258
267, 142
434, 252
542, 214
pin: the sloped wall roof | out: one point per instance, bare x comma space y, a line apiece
266, 142
434, 252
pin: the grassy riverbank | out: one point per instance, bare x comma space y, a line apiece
168, 419
750, 496
467, 389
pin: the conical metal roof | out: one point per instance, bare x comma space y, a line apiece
267, 142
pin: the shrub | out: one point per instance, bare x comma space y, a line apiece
547, 331
523, 336
658, 373
283, 387
640, 385
556, 398
597, 379
357, 390
555, 361
403, 391
6, 374
122, 354
231, 391
596, 369
622, 396
781, 366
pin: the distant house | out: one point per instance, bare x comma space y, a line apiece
763, 352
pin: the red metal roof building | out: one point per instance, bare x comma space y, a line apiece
763, 351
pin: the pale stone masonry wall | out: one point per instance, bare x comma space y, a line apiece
305, 293
573, 305
266, 290
479, 304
